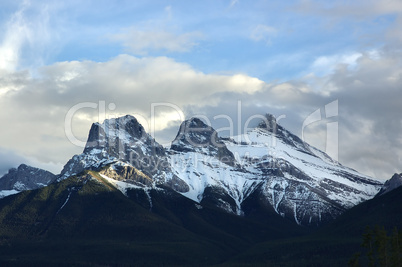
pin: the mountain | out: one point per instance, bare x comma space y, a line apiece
24, 178
298, 180
124, 140
268, 167
391, 184
203, 161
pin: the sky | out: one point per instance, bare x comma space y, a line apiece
67, 64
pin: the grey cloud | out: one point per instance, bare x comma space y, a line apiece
11, 159
353, 9
370, 107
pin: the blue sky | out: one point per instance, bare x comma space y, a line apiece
269, 40
283, 57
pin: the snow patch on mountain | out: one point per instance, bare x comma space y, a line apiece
6, 193
200, 171
120, 185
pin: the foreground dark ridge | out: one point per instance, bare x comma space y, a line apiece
87, 220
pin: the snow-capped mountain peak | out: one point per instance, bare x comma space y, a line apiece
124, 140
269, 163
125, 129
196, 136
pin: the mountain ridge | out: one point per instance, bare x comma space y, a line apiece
299, 181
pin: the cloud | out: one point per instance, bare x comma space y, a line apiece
35, 112
11, 159
373, 23
263, 33
369, 118
28, 38
360, 9
141, 42
233, 3
168, 10
324, 65
17, 33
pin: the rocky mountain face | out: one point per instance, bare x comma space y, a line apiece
24, 178
268, 164
391, 184
197, 137
124, 140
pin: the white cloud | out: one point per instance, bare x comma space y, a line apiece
233, 3
168, 10
35, 113
244, 84
17, 33
324, 65
27, 39
263, 33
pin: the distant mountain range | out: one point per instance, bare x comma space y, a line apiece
205, 197
24, 178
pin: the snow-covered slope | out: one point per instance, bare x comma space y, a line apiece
297, 180
202, 160
24, 178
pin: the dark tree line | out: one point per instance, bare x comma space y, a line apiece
379, 248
